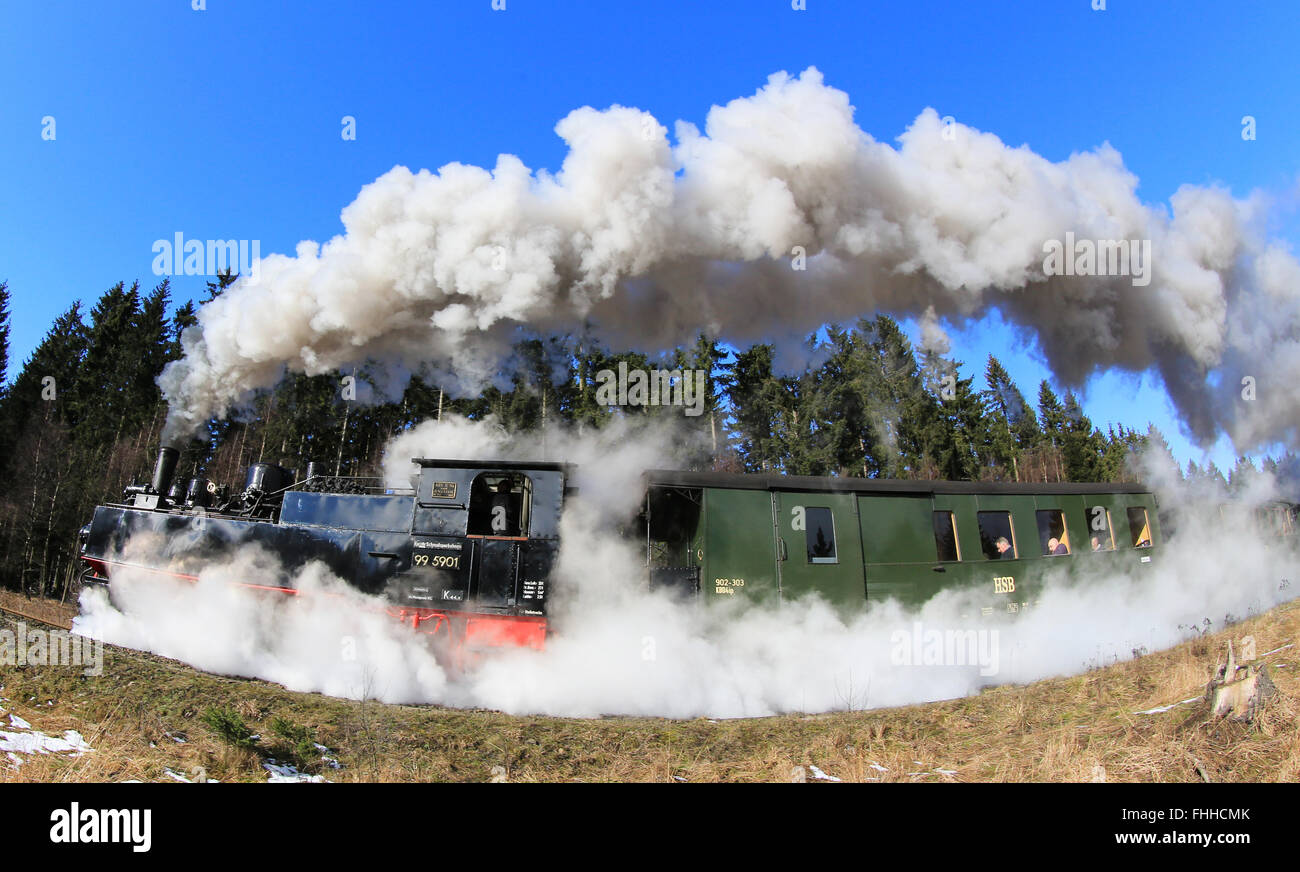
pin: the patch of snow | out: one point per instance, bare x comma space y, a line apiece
1165, 708
19, 723
36, 742
285, 774
331, 762
820, 775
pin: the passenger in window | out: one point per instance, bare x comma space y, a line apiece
1056, 547
1096, 544
1004, 549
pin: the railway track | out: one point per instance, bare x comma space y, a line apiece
48, 621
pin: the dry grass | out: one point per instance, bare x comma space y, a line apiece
1069, 729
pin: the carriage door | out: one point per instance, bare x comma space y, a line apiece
499, 506
818, 546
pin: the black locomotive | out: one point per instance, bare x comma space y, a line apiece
465, 551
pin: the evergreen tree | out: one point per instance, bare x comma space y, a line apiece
906, 412
184, 318
1052, 415
48, 375
4, 339
1080, 446
959, 437
1243, 477
758, 403
215, 289
1158, 463
707, 437
102, 397
1005, 407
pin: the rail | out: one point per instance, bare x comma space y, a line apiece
40, 620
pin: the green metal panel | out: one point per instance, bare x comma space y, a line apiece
898, 546
739, 555
840, 582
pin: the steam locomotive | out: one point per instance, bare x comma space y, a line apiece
465, 552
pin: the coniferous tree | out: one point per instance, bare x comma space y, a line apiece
1081, 448
706, 433
1052, 415
907, 412
4, 339
757, 400
102, 400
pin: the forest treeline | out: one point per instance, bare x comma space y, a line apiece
82, 417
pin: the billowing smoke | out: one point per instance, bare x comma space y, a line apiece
780, 216
618, 649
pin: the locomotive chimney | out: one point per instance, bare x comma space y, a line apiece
164, 469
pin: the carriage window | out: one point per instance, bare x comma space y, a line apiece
997, 539
1100, 535
1053, 537
945, 536
499, 504
820, 535
1139, 527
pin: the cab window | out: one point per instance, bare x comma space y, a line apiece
499, 504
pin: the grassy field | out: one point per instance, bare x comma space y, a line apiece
146, 715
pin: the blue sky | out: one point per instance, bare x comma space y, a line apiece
224, 123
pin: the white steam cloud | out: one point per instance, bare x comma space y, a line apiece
648, 242
617, 649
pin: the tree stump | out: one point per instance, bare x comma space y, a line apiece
1238, 689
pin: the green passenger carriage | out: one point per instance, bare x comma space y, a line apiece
858, 540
